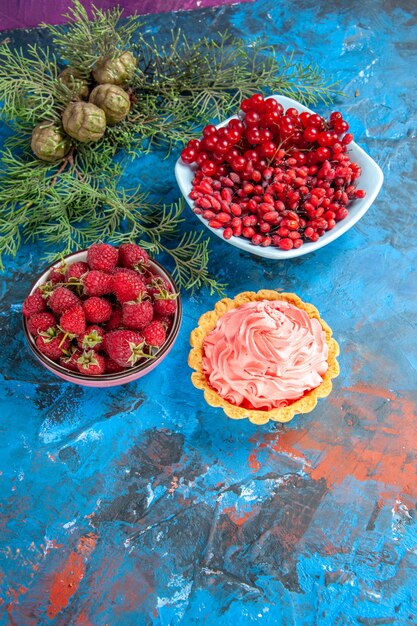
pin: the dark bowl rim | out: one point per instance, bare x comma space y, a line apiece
49, 364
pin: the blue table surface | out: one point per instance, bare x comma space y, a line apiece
141, 505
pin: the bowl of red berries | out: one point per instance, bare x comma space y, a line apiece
278, 180
104, 316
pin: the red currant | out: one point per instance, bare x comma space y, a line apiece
239, 163
222, 146
335, 116
188, 155
218, 157
311, 133
341, 126
236, 124
292, 112
252, 118
209, 130
322, 153
304, 117
315, 120
300, 157
251, 155
201, 157
253, 135
257, 102
231, 154
194, 143
246, 105
348, 138
271, 104
211, 142
209, 168
276, 179
324, 138
265, 135
233, 134
268, 149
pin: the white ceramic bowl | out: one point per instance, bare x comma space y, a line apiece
370, 180
118, 378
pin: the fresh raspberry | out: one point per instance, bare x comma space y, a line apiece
97, 283
76, 270
102, 256
57, 274
116, 319
132, 256
40, 322
154, 334
112, 367
47, 289
128, 287
126, 270
125, 347
35, 303
97, 310
156, 285
73, 321
165, 306
70, 360
91, 339
137, 315
62, 299
52, 343
91, 364
165, 320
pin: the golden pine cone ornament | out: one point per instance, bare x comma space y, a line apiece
119, 71
84, 121
49, 142
75, 83
113, 100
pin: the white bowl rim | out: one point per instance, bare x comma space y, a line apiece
307, 247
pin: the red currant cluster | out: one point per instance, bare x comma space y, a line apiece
272, 176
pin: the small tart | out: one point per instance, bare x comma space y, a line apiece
208, 322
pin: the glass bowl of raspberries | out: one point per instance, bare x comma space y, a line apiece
278, 180
104, 316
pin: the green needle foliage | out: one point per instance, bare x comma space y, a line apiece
178, 87
29, 88
85, 41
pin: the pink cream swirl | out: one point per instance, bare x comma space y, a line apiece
265, 354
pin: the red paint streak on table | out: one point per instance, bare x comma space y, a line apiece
378, 458
66, 581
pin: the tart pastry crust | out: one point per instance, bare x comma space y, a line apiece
305, 404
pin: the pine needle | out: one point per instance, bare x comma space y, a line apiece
179, 86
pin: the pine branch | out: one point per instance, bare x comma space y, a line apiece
191, 260
162, 222
29, 86
177, 89
87, 40
77, 213
211, 77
